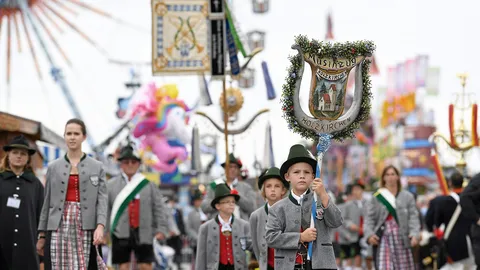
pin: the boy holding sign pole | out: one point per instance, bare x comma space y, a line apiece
300, 227
290, 229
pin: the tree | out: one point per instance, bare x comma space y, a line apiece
323, 89
339, 98
316, 98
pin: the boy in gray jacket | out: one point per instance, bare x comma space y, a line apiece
222, 241
273, 188
288, 227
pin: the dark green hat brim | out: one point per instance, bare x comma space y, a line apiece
359, 185
129, 157
264, 178
216, 200
232, 159
223, 164
287, 164
8, 148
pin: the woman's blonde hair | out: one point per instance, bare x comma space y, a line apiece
262, 190
5, 163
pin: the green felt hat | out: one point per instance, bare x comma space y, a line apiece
359, 182
234, 160
222, 191
197, 195
127, 152
273, 172
298, 153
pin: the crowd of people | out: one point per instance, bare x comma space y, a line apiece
296, 224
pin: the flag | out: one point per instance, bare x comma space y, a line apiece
410, 75
400, 79
329, 34
432, 81
196, 160
238, 36
268, 158
232, 51
391, 86
205, 98
268, 82
421, 68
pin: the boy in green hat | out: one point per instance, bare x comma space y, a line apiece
222, 241
288, 226
273, 188
247, 203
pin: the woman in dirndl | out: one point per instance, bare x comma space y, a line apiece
392, 226
74, 212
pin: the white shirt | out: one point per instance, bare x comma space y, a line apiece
299, 198
233, 184
359, 203
125, 177
226, 226
203, 217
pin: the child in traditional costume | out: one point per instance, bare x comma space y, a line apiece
273, 188
222, 241
353, 213
288, 227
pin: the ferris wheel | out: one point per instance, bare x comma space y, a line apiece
36, 21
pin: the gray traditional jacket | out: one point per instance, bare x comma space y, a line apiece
407, 214
93, 193
352, 213
285, 220
153, 211
193, 225
208, 245
258, 223
342, 231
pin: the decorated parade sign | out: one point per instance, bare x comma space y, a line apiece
330, 64
180, 39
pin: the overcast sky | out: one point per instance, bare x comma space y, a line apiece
400, 29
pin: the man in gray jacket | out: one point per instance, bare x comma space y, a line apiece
144, 214
247, 203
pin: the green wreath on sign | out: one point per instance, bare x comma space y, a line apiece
334, 51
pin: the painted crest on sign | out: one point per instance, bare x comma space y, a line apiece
329, 85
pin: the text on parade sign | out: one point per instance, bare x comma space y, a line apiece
331, 64
325, 128
331, 77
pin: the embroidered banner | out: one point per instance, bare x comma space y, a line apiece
180, 37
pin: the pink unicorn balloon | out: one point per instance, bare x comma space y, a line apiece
162, 128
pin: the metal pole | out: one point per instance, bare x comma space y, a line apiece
225, 130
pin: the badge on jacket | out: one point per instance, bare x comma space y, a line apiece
320, 213
243, 243
94, 180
